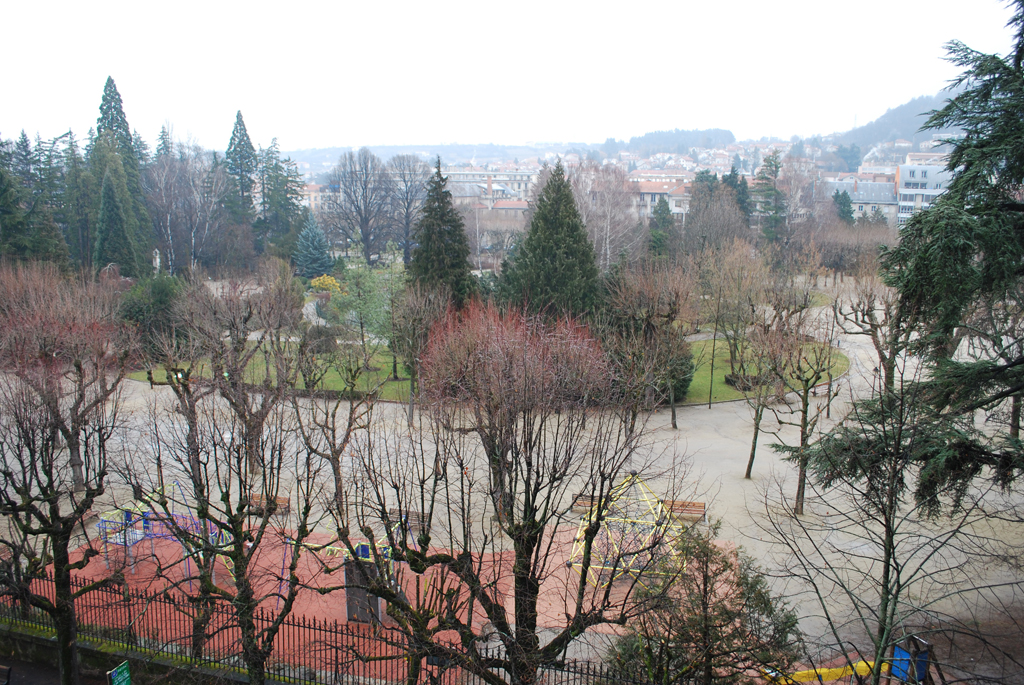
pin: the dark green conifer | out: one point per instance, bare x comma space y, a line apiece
114, 243
844, 206
553, 269
661, 227
312, 251
440, 257
79, 211
113, 124
240, 163
13, 227
24, 161
112, 118
47, 242
739, 184
164, 143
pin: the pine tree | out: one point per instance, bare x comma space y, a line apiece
240, 163
661, 227
554, 268
112, 118
79, 210
141, 148
164, 142
13, 227
47, 242
24, 161
113, 125
312, 251
114, 243
739, 184
844, 206
772, 201
440, 257
279, 216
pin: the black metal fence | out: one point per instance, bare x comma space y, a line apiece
173, 624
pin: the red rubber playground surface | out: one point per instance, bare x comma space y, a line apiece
156, 564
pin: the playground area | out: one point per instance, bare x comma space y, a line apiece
151, 551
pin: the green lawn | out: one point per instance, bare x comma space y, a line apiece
722, 392
380, 370
398, 390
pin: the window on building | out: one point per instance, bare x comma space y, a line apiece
924, 174
913, 174
906, 184
860, 208
874, 208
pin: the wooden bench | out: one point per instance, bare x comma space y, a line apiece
415, 521
282, 505
582, 503
694, 511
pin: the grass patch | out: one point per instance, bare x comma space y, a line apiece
721, 391
398, 390
379, 371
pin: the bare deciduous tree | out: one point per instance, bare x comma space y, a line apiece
183, 194
605, 199
714, 219
359, 200
231, 436
469, 507
409, 176
64, 354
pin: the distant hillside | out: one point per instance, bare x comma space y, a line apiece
678, 141
903, 122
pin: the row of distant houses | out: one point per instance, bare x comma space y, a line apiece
897, 191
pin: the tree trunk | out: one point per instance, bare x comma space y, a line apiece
253, 656
805, 438
1015, 417
758, 415
412, 394
672, 402
64, 615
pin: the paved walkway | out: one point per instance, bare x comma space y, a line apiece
27, 673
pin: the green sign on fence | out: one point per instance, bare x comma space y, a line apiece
120, 675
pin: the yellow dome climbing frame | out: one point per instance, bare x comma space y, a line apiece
637, 533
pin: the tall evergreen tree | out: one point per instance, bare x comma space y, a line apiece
112, 119
24, 161
279, 216
241, 163
739, 184
661, 227
13, 227
554, 268
79, 208
772, 202
141, 148
47, 241
312, 251
441, 254
164, 142
844, 206
114, 240
113, 125
960, 262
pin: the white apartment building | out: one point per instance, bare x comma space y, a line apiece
917, 187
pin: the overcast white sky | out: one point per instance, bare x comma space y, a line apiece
321, 74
